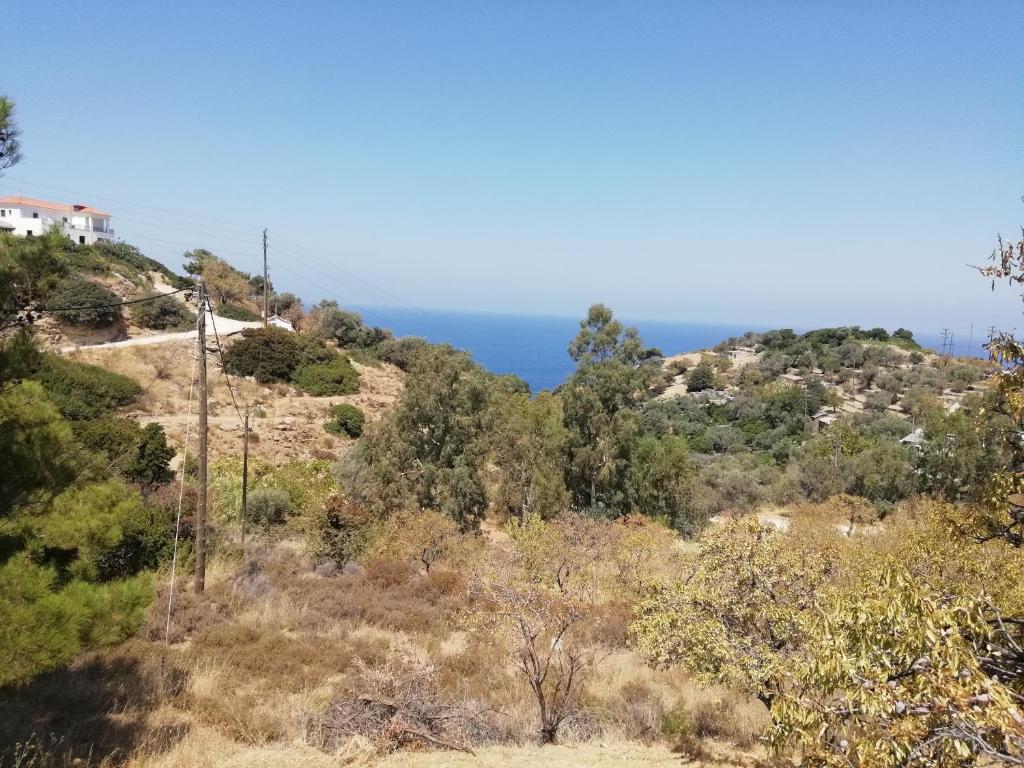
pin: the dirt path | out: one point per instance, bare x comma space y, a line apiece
225, 327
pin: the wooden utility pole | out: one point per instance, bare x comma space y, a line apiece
245, 475
266, 279
200, 583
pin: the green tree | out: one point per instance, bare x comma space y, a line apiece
599, 406
661, 482
430, 452
528, 443
36, 449
739, 615
346, 328
10, 146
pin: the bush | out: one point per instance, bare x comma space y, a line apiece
138, 454
337, 377
163, 313
98, 306
82, 391
341, 531
268, 506
147, 538
345, 420
268, 354
402, 352
700, 378
237, 312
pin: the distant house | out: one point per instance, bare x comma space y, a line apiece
27, 217
915, 439
279, 322
824, 419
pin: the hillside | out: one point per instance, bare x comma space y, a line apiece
436, 568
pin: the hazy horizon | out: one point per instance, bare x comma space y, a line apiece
791, 165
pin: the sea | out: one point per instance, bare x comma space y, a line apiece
533, 347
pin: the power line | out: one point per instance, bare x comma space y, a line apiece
28, 318
223, 367
111, 306
181, 489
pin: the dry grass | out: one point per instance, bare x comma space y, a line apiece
289, 422
264, 663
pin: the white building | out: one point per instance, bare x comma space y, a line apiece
279, 322
27, 217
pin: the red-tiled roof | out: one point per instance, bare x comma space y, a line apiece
62, 207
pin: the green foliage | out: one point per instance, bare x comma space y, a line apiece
402, 352
77, 301
10, 146
36, 456
336, 377
739, 613
138, 454
308, 484
147, 539
345, 328
82, 391
30, 269
268, 354
661, 482
527, 443
163, 313
46, 623
81, 526
599, 402
234, 311
345, 420
118, 253
701, 378
268, 506
430, 452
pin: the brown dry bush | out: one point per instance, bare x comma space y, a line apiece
396, 705
191, 613
636, 710
290, 662
389, 595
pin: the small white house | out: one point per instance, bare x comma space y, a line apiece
279, 322
27, 217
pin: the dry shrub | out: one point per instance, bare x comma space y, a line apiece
636, 710
291, 662
245, 717
191, 613
387, 573
397, 705
390, 595
710, 715
425, 538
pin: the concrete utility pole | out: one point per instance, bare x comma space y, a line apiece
200, 582
266, 279
245, 475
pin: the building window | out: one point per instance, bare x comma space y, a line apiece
65, 219
81, 239
3, 212
28, 232
35, 214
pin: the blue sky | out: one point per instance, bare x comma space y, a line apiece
787, 163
